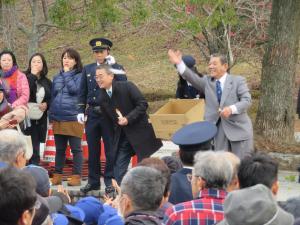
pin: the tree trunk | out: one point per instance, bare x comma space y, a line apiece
276, 111
8, 25
33, 39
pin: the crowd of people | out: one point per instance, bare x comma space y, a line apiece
215, 178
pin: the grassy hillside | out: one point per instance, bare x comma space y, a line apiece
142, 51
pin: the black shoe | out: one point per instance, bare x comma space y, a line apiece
111, 192
89, 187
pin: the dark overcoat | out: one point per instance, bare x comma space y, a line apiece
128, 99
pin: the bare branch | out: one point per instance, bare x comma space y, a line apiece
22, 28
30, 5
45, 10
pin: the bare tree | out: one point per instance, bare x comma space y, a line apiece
8, 25
39, 23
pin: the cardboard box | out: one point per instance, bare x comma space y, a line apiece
175, 114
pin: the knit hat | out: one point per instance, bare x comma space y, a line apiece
189, 61
110, 216
254, 205
173, 163
92, 209
41, 178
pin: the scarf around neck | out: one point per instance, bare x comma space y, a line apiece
10, 72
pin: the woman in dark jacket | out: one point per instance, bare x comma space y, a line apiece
63, 114
184, 89
40, 95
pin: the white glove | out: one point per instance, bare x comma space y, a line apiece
80, 118
110, 60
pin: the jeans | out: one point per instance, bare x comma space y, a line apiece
61, 142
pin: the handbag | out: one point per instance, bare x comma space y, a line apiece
34, 112
29, 148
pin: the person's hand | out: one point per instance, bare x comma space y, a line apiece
61, 189
122, 121
108, 200
80, 118
175, 56
226, 112
43, 106
115, 185
110, 60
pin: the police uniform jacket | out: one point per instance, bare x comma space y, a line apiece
89, 89
180, 189
127, 98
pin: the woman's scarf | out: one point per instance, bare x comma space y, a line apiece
10, 78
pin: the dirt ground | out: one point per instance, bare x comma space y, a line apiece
262, 144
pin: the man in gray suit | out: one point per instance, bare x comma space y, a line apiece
227, 99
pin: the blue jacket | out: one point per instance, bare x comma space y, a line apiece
64, 96
181, 189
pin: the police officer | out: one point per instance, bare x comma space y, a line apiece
96, 126
191, 139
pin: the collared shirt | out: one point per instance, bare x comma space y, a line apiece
207, 209
181, 67
222, 81
109, 89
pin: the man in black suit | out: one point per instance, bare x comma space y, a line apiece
125, 106
96, 126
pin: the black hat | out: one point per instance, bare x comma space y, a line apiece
100, 43
195, 136
189, 61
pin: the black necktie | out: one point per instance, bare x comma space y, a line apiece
219, 90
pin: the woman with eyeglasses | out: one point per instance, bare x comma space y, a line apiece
63, 114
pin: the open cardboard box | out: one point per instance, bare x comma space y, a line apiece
176, 114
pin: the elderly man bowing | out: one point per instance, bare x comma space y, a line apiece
227, 99
125, 106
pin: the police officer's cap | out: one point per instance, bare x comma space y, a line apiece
100, 44
195, 136
189, 61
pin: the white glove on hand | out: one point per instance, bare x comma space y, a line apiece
110, 60
80, 118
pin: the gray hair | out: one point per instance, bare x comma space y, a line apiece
222, 57
234, 160
106, 68
214, 168
11, 144
145, 187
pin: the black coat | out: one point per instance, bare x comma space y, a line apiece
127, 98
40, 124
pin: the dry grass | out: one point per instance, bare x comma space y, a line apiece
143, 53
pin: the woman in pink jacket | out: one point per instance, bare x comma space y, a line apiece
15, 82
